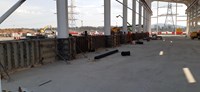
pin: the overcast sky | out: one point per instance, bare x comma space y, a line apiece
39, 13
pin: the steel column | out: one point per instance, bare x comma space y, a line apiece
157, 15
149, 18
188, 24
134, 15
144, 20
125, 15
107, 17
62, 18
140, 16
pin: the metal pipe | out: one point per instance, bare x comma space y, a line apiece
62, 18
11, 10
107, 17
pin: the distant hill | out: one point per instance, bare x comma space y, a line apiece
162, 27
17, 30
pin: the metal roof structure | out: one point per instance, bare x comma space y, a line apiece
186, 2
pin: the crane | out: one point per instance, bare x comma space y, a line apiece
11, 10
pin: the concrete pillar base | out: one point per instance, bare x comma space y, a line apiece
108, 41
66, 49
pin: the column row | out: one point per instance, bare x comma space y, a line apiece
62, 17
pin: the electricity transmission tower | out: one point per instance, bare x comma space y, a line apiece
169, 21
72, 14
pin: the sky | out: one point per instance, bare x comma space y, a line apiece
39, 13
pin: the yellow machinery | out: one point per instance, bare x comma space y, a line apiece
194, 35
49, 34
115, 29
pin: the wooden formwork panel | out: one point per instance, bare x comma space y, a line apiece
22, 54
27, 53
109, 41
2, 56
117, 40
72, 48
98, 41
8, 56
37, 52
49, 55
114, 41
47, 41
32, 52
16, 56
82, 44
123, 39
48, 50
91, 43
67, 48
49, 59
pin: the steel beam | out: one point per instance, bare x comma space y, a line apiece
11, 10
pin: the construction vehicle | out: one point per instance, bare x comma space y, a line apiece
195, 34
119, 29
46, 32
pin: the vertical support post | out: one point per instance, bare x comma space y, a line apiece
140, 15
107, 17
22, 54
144, 20
188, 23
62, 18
125, 16
196, 16
147, 21
9, 56
157, 15
176, 17
0, 85
134, 15
191, 21
149, 17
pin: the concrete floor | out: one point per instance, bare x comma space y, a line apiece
144, 71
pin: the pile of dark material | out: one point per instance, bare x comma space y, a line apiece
139, 42
125, 53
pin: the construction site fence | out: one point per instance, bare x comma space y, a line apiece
25, 53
